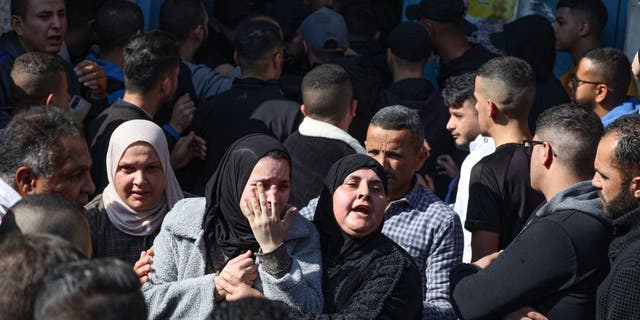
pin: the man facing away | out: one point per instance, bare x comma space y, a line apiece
556, 263
500, 194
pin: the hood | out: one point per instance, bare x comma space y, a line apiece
580, 197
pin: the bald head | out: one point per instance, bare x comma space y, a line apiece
49, 214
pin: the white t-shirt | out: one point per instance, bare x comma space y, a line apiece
478, 149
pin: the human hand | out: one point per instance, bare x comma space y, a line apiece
91, 75
182, 113
235, 292
241, 269
447, 166
525, 313
142, 267
186, 148
264, 217
486, 260
426, 181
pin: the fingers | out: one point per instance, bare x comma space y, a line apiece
262, 198
288, 218
151, 252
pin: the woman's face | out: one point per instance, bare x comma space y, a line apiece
274, 174
359, 203
139, 179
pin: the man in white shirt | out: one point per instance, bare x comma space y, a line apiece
464, 127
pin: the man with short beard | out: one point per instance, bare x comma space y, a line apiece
617, 180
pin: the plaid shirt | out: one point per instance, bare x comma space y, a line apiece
431, 233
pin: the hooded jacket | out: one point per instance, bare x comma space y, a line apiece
554, 265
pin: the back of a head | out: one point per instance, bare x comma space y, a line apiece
594, 10
253, 309
256, 43
626, 156
35, 75
80, 12
105, 289
180, 17
362, 22
531, 38
399, 117
148, 58
31, 139
53, 214
613, 68
458, 90
410, 44
327, 93
573, 131
25, 261
510, 82
116, 22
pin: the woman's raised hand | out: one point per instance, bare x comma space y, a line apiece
264, 217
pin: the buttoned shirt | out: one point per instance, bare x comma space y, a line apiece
431, 233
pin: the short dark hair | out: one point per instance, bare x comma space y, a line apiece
399, 117
253, 309
327, 93
116, 22
91, 289
256, 41
595, 10
24, 262
362, 21
614, 68
180, 17
574, 132
513, 87
19, 7
148, 58
50, 213
626, 156
32, 139
34, 75
459, 89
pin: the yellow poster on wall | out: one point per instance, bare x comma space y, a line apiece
493, 10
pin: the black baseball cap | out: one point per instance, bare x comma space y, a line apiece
443, 11
410, 41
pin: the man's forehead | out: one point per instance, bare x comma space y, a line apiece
45, 5
390, 138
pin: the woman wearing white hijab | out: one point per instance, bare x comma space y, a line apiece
142, 188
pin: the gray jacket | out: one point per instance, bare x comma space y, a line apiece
178, 287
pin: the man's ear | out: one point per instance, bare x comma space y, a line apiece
389, 57
305, 46
17, 23
50, 100
25, 181
601, 92
199, 33
278, 60
303, 109
165, 85
235, 56
635, 187
547, 155
354, 107
429, 26
423, 154
585, 28
493, 109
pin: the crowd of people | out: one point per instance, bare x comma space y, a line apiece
288, 159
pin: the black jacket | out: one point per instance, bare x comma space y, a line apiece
251, 106
619, 293
554, 265
311, 159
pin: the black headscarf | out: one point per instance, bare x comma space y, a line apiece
336, 244
224, 224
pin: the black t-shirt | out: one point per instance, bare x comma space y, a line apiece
500, 195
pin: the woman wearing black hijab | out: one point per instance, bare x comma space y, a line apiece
365, 274
203, 252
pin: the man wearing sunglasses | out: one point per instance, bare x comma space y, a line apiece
554, 266
601, 80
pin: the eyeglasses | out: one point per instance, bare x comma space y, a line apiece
530, 143
575, 82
